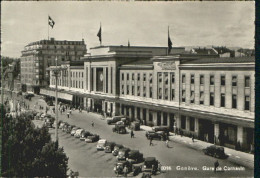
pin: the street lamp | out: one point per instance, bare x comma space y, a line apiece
56, 72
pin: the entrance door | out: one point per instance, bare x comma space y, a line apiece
171, 121
159, 118
206, 130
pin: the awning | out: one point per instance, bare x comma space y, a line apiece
64, 96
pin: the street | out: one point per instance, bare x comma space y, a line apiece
179, 160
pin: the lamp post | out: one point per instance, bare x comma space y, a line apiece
56, 72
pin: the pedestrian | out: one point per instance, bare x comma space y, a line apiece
132, 133
167, 142
151, 139
68, 115
159, 167
216, 164
192, 137
92, 123
125, 171
70, 111
61, 111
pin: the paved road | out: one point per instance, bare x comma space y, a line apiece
85, 159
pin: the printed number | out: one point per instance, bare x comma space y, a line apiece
166, 168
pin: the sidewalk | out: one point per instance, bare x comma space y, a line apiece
238, 157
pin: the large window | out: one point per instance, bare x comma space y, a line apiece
247, 102
234, 81
183, 78
173, 94
183, 95
127, 76
127, 89
247, 81
183, 122
234, 101
151, 78
166, 78
133, 76
192, 97
201, 97
123, 76
173, 78
138, 76
144, 76
123, 89
201, 79
144, 91
211, 98
151, 92
133, 90
166, 94
222, 100
192, 79
212, 80
223, 80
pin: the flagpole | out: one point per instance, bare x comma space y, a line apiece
48, 26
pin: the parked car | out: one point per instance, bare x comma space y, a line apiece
119, 129
110, 147
101, 144
122, 154
120, 123
215, 151
69, 128
150, 165
166, 129
92, 138
135, 156
78, 133
85, 134
135, 125
73, 131
61, 125
155, 135
114, 119
49, 122
119, 167
116, 149
65, 126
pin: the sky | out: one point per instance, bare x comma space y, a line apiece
142, 23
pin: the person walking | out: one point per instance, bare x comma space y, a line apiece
68, 115
192, 137
125, 171
70, 111
167, 142
92, 123
132, 133
151, 139
216, 164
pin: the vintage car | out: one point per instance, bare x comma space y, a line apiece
114, 119
65, 126
119, 167
161, 128
123, 154
134, 156
69, 128
101, 144
215, 151
49, 122
92, 138
150, 165
78, 133
119, 129
110, 147
135, 125
61, 125
155, 135
120, 123
73, 130
116, 149
85, 134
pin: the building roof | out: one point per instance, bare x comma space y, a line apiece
145, 63
204, 51
245, 59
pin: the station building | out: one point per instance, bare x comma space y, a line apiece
206, 96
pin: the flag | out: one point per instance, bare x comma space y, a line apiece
169, 42
51, 22
99, 34
128, 43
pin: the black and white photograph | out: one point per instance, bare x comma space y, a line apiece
127, 89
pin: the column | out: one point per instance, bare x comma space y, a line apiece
216, 133
135, 116
104, 79
162, 114
168, 119
130, 113
240, 135
154, 118
147, 115
85, 103
178, 120
109, 79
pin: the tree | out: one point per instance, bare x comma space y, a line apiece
29, 152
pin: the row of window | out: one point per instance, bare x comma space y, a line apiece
138, 92
212, 80
133, 75
212, 99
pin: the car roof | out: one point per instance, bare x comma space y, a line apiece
150, 159
102, 141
